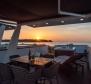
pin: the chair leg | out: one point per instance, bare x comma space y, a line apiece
76, 67
82, 68
42, 81
36, 82
50, 80
57, 80
88, 65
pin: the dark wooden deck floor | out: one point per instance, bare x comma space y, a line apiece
69, 76
75, 78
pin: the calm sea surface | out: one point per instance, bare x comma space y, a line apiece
53, 43
58, 43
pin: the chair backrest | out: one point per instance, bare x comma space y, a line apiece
6, 75
43, 50
23, 76
51, 71
14, 56
80, 48
64, 52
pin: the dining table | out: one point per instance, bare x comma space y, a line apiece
41, 61
37, 61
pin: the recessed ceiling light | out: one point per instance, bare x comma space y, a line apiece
62, 21
46, 23
81, 19
34, 25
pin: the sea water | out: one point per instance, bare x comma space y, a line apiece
51, 43
59, 43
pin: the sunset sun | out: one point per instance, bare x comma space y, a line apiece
38, 37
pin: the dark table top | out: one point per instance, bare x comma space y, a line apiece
37, 61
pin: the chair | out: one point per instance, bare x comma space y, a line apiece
50, 73
14, 56
23, 76
82, 50
6, 75
59, 51
82, 60
75, 61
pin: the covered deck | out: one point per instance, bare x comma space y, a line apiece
41, 13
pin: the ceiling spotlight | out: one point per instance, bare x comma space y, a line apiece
47, 23
62, 21
34, 25
81, 19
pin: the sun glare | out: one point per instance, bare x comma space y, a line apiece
38, 37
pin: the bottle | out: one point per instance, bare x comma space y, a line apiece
29, 54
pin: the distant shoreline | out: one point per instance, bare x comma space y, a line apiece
29, 40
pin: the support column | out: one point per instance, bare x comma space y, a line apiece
13, 44
2, 28
14, 39
89, 57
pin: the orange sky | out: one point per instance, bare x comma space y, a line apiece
77, 32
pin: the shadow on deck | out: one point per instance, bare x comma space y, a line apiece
69, 76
